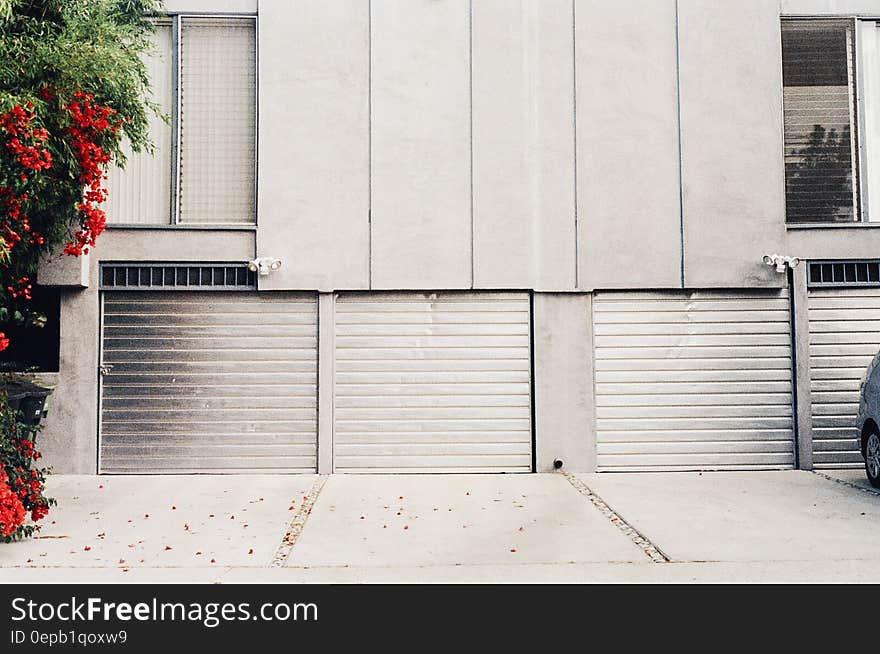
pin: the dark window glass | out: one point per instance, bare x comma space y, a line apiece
821, 178
35, 349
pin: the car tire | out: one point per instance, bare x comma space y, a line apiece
872, 458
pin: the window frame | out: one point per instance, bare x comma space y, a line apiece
174, 19
857, 89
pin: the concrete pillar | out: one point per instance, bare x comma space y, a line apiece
326, 357
563, 381
69, 440
801, 327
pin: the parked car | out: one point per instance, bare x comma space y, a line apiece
868, 423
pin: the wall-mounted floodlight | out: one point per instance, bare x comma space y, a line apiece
264, 265
782, 263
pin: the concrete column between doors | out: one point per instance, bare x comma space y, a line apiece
800, 323
563, 379
326, 367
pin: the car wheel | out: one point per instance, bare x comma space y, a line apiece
872, 459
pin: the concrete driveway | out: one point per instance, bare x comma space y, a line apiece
676, 527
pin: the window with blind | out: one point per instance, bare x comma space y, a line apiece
202, 170
831, 87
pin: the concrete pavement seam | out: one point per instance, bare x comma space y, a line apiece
869, 491
297, 523
641, 541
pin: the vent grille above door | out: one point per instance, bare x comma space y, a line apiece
171, 276
825, 274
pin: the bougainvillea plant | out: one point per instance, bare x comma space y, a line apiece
74, 94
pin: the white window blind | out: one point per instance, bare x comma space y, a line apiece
206, 80
821, 172
218, 114
141, 193
869, 113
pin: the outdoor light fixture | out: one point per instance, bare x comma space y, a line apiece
781, 262
264, 265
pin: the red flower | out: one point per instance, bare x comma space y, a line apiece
12, 511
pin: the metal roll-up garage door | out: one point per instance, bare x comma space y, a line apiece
208, 382
844, 337
692, 381
433, 383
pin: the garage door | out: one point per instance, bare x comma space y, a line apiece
433, 383
692, 381
844, 337
208, 382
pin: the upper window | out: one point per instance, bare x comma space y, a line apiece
831, 80
203, 167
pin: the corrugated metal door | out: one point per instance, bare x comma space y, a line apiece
433, 383
209, 382
690, 381
844, 337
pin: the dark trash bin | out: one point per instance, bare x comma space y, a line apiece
28, 399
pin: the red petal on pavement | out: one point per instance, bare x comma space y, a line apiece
290, 508
101, 486
29, 561
406, 526
146, 515
521, 529
122, 560
185, 527
167, 547
232, 517
213, 561
86, 548
198, 553
513, 549
174, 508
362, 517
250, 551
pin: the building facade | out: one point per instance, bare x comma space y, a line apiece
510, 233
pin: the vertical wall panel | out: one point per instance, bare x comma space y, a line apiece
421, 181
731, 132
627, 144
523, 142
141, 193
314, 143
